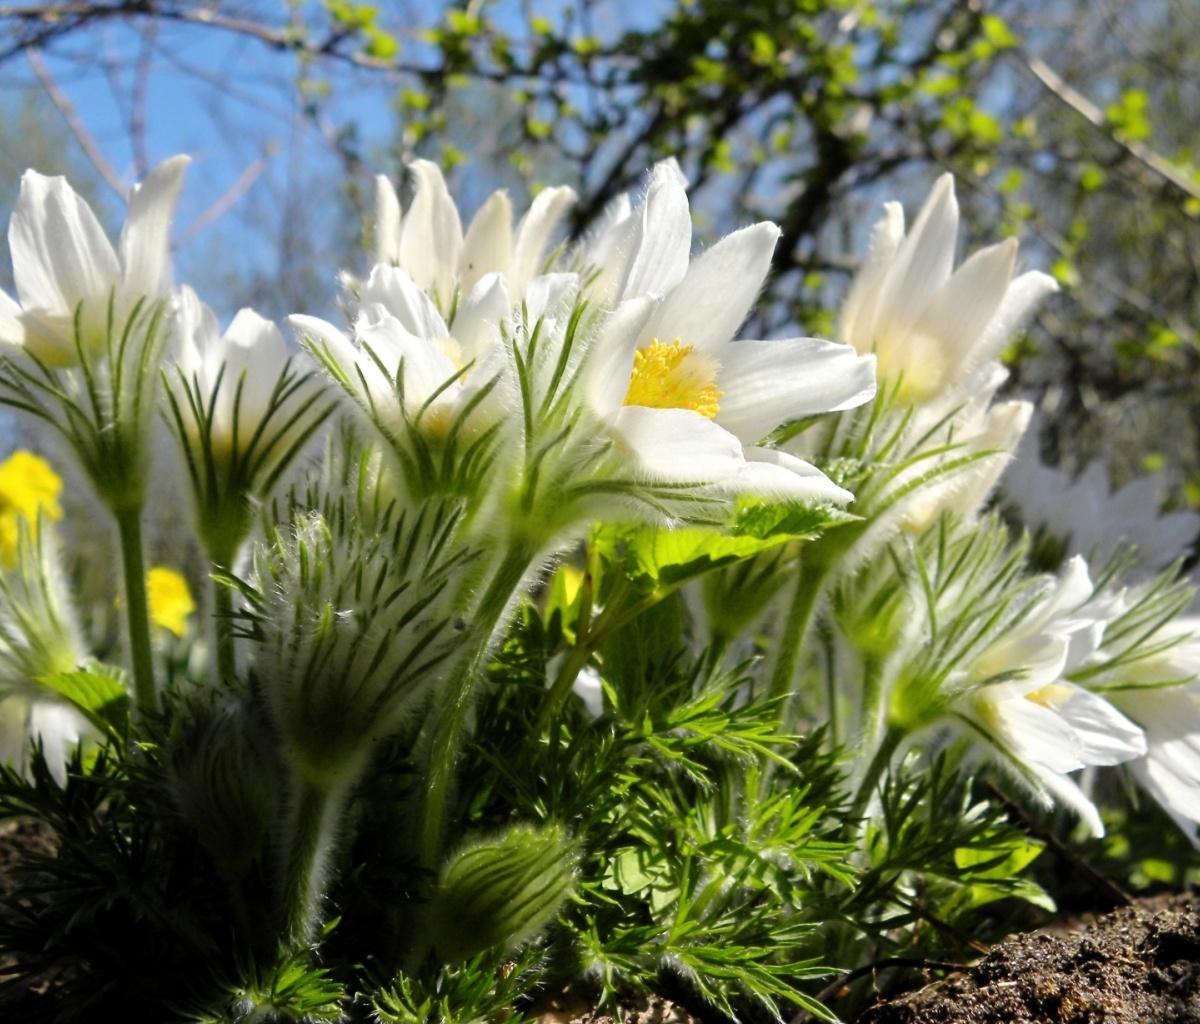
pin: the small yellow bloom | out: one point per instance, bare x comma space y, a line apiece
674, 377
170, 599
28, 485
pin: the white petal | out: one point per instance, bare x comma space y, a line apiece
534, 231
477, 321
426, 367
387, 221
1023, 295
856, 325
146, 237
488, 245
717, 292
605, 249
548, 294
1069, 795
254, 346
12, 330
197, 337
922, 263
392, 288
769, 383
431, 236
677, 446
770, 473
660, 239
1032, 733
1108, 736
60, 728
60, 253
610, 363
963, 306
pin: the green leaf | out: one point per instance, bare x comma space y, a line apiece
655, 558
101, 697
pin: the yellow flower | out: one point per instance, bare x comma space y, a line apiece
170, 599
28, 485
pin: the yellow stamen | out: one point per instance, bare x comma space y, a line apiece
674, 377
27, 484
1050, 696
170, 599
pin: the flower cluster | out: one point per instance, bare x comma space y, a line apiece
525, 470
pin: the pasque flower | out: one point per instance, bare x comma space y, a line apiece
1032, 718
428, 243
935, 328
68, 274
685, 400
242, 408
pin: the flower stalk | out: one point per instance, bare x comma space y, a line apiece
137, 609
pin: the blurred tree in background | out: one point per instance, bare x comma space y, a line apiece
1071, 123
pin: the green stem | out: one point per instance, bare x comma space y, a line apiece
611, 619
879, 764
809, 585
872, 699
308, 840
223, 630
448, 716
137, 608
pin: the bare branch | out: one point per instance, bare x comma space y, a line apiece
227, 198
82, 135
1095, 116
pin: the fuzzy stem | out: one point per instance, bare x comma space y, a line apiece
137, 608
449, 714
223, 630
809, 585
888, 746
308, 842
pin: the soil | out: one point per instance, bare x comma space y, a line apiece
1136, 965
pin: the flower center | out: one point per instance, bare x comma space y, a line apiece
674, 377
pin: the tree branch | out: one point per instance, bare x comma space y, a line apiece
82, 136
1095, 116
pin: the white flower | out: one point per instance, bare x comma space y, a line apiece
1017, 697
1161, 693
983, 438
405, 366
1089, 518
429, 245
934, 330
680, 396
64, 266
238, 374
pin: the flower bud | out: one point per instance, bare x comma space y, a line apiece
499, 892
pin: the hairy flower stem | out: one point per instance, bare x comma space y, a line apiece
448, 715
888, 746
809, 584
137, 608
223, 631
307, 843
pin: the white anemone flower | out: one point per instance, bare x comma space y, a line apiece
684, 399
1088, 517
933, 327
405, 367
64, 266
428, 242
1161, 692
1018, 699
236, 373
